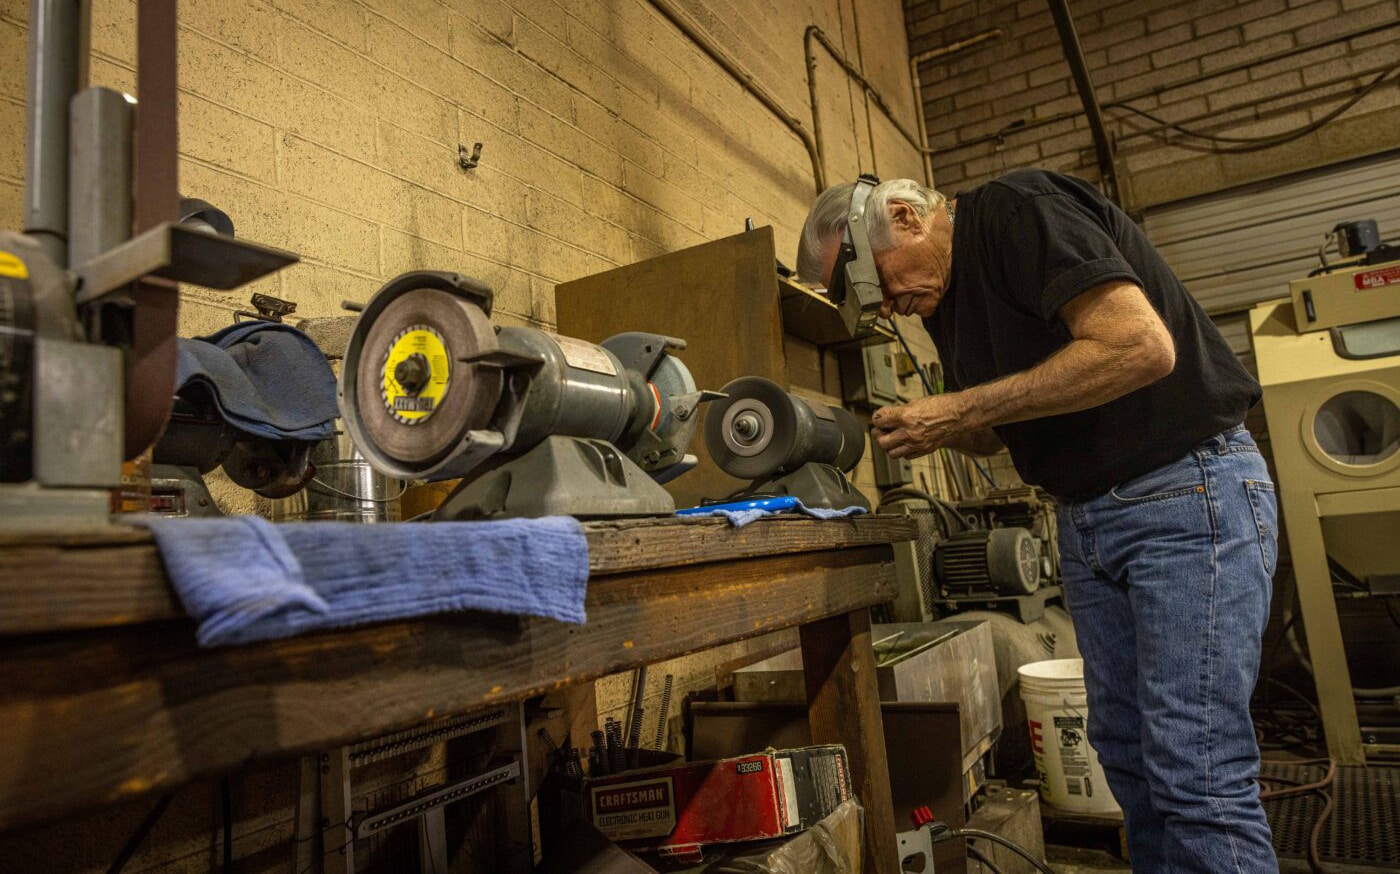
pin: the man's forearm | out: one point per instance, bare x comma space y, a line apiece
1084, 374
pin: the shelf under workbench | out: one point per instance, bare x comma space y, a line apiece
105, 696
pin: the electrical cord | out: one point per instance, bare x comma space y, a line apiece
929, 389
1319, 788
948, 511
1293, 644
987, 863
1294, 788
979, 834
1252, 144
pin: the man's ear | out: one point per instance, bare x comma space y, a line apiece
903, 217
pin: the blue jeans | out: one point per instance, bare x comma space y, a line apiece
1168, 578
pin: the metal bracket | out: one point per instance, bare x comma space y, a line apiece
181, 254
268, 309
468, 161
659, 458
378, 820
402, 742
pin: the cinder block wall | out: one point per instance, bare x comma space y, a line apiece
331, 128
1135, 48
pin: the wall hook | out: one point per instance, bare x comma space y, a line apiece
468, 161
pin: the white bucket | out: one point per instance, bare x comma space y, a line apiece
1057, 714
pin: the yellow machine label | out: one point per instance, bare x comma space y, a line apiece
12, 267
416, 374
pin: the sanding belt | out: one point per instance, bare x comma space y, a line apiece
150, 376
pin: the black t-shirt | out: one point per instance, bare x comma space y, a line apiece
1023, 246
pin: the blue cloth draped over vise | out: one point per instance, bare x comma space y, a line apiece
263, 378
244, 579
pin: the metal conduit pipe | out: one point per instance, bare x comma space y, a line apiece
1192, 80
54, 40
815, 33
865, 99
1084, 84
918, 87
712, 50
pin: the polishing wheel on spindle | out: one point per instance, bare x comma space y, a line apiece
785, 443
760, 430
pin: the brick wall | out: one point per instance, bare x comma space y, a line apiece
330, 127
1133, 49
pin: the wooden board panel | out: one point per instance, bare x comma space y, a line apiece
838, 661
111, 714
720, 297
71, 581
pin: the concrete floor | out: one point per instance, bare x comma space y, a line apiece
1073, 860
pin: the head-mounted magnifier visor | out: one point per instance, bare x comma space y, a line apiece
855, 283
855, 215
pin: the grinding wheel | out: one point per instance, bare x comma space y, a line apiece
751, 433
415, 395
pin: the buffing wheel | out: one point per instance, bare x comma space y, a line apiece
751, 433
415, 396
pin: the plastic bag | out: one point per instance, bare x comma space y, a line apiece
832, 846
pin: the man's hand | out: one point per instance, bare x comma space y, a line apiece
922, 426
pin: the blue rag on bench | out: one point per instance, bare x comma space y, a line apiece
244, 579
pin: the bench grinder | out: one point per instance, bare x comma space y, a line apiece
785, 444
536, 424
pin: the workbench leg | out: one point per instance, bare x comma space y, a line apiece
306, 838
337, 836
843, 706
432, 842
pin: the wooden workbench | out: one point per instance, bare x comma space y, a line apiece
104, 695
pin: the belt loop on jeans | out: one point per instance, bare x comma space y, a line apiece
1225, 436
1218, 444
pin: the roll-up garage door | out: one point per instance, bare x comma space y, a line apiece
1242, 246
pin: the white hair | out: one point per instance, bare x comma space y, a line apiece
827, 219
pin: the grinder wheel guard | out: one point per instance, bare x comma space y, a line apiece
416, 392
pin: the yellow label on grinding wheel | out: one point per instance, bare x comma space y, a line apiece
405, 405
12, 267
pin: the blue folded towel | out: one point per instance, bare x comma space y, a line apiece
265, 378
244, 579
741, 517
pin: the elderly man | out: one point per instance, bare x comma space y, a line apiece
1067, 339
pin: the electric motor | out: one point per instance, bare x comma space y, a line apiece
996, 562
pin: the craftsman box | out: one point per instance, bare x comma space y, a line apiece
679, 809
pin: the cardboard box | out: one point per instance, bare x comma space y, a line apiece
677, 810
